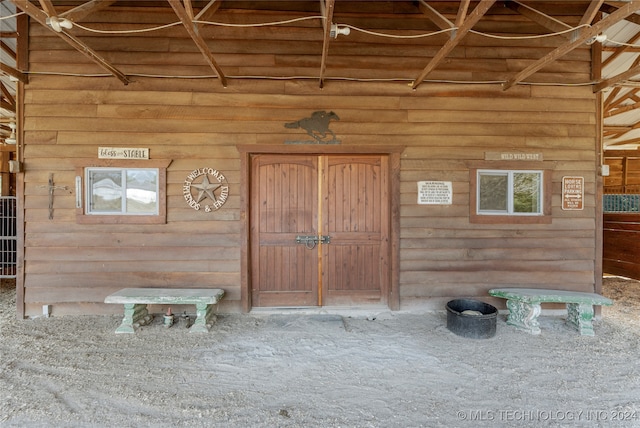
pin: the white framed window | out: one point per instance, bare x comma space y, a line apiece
122, 191
510, 192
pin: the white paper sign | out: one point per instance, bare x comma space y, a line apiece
435, 193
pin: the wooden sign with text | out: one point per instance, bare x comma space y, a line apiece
572, 193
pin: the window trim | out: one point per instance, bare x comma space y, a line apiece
95, 218
510, 191
543, 218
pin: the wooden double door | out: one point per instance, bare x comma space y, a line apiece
319, 230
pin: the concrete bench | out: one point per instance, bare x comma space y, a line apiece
524, 307
135, 302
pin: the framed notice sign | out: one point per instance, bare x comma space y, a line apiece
435, 192
572, 193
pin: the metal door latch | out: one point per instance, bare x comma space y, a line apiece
310, 241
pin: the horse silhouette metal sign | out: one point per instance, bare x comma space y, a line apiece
317, 127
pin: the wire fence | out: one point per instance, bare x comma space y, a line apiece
621, 203
8, 239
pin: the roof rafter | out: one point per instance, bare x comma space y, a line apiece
546, 21
40, 16
327, 12
78, 13
7, 69
633, 71
10, 99
208, 10
436, 17
193, 31
591, 12
621, 49
562, 50
475, 16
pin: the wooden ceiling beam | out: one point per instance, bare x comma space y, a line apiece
327, 12
591, 12
621, 49
211, 8
462, 12
605, 83
7, 49
78, 13
48, 8
475, 16
10, 71
620, 110
7, 106
7, 95
436, 17
41, 17
544, 20
193, 31
188, 7
585, 35
609, 8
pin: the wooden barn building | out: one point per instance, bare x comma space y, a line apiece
332, 153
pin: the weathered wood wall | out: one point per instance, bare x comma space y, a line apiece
198, 123
621, 245
624, 171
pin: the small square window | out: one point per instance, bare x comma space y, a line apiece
509, 192
510, 195
124, 192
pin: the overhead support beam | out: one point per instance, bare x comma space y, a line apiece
7, 49
193, 31
633, 71
6, 106
462, 12
41, 17
208, 10
621, 110
585, 35
550, 23
48, 8
327, 8
188, 7
78, 13
10, 71
436, 17
622, 49
609, 9
592, 12
7, 95
471, 20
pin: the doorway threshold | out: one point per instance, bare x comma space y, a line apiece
368, 311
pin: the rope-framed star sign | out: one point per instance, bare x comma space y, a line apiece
199, 187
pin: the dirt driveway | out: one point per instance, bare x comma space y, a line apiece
398, 370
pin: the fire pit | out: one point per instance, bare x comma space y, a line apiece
471, 318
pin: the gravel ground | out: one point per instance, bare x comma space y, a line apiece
394, 369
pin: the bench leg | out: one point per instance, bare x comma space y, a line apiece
524, 316
135, 315
579, 316
204, 318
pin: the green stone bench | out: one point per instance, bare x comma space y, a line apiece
135, 302
524, 307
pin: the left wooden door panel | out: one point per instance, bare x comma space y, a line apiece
284, 205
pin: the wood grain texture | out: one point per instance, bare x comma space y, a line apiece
435, 131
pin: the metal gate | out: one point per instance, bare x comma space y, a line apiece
8, 238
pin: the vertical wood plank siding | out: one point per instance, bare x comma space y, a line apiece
198, 123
